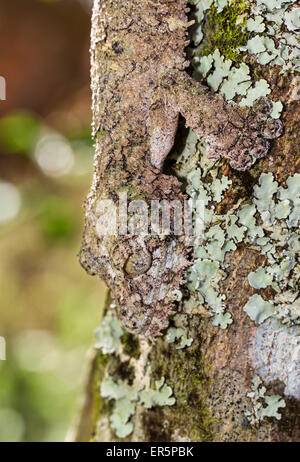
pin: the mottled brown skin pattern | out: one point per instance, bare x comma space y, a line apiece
139, 88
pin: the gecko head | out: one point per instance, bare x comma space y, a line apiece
142, 273
132, 265
146, 272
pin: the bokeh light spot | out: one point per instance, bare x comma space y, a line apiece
10, 201
54, 155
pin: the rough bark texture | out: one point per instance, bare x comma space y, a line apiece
210, 379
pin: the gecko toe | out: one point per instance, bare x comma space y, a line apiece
242, 164
272, 129
263, 107
260, 149
241, 159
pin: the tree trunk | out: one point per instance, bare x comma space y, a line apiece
232, 334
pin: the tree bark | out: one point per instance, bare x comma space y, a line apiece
210, 378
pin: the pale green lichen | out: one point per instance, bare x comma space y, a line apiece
292, 19
189, 147
279, 209
264, 191
281, 16
264, 202
218, 187
260, 279
204, 278
237, 83
262, 405
221, 70
127, 393
255, 23
125, 402
247, 218
161, 396
264, 47
260, 89
258, 309
256, 45
127, 397
174, 334
287, 308
206, 272
220, 4
222, 320
200, 8
269, 224
234, 232
292, 194
272, 4
109, 334
233, 81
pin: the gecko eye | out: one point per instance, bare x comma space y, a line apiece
138, 263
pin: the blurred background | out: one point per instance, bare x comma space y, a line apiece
49, 307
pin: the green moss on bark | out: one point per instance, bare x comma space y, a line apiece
226, 31
187, 374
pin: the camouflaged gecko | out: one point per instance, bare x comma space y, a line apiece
139, 87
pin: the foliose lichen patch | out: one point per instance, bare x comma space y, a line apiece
262, 405
266, 30
125, 394
127, 397
268, 224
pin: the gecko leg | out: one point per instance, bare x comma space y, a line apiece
237, 133
162, 125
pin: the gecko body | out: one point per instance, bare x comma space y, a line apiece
140, 87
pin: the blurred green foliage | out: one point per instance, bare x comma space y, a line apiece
19, 131
55, 217
49, 307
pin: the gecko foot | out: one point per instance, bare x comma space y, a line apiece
244, 140
237, 133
